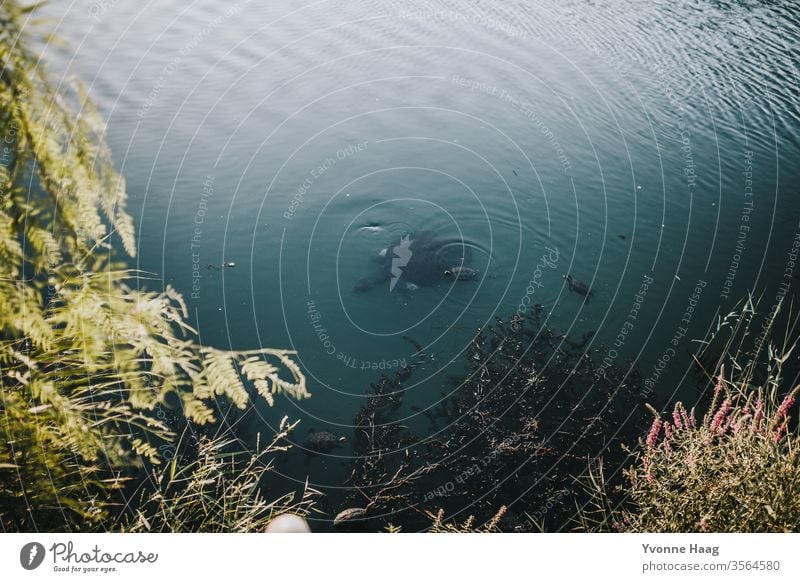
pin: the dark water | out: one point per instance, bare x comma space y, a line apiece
624, 141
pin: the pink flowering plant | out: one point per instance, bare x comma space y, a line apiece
735, 469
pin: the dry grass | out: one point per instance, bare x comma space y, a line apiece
220, 490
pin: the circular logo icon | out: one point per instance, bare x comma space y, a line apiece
31, 555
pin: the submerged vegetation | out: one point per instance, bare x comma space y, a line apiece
533, 410
85, 354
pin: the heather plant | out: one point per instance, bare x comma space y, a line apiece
737, 470
734, 469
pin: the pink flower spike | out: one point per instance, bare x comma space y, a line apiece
779, 433
783, 409
652, 436
719, 417
676, 416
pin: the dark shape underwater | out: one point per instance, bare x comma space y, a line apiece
420, 259
321, 442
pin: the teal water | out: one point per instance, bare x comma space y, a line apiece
649, 149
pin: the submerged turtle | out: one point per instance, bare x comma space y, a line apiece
322, 442
420, 259
579, 287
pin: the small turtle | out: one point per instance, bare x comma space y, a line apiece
322, 442
462, 273
579, 287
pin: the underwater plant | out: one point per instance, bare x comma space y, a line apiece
519, 428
